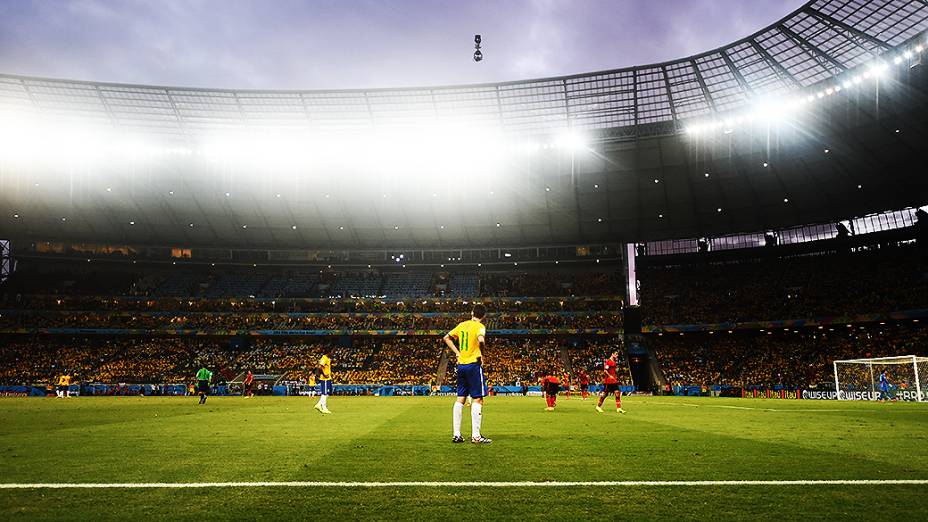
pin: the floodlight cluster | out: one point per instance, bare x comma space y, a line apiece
30, 139
778, 109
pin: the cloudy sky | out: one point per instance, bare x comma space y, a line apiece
317, 44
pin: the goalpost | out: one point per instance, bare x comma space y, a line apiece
859, 379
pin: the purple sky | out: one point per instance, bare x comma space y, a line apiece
354, 43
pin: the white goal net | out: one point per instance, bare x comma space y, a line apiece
902, 378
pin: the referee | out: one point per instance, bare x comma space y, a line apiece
204, 377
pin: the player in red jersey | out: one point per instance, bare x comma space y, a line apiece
584, 384
549, 387
611, 384
248, 385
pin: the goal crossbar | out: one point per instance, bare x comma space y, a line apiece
899, 359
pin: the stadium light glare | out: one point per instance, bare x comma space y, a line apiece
571, 141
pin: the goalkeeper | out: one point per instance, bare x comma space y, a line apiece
884, 387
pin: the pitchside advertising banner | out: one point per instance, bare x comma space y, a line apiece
821, 395
902, 395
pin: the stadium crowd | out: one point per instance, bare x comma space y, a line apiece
833, 284
789, 358
283, 321
74, 279
393, 360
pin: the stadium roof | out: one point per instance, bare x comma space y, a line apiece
847, 155
816, 42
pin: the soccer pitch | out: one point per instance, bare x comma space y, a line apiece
403, 439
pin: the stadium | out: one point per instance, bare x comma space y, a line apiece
695, 288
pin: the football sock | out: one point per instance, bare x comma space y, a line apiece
324, 401
618, 402
456, 418
475, 418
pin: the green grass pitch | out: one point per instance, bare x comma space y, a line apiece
128, 439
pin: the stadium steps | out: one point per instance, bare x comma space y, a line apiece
369, 360
565, 360
442, 369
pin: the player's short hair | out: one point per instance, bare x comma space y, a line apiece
479, 311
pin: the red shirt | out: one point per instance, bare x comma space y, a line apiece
249, 378
610, 370
550, 379
584, 379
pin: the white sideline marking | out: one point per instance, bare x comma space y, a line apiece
440, 484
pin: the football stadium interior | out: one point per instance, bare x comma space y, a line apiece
746, 228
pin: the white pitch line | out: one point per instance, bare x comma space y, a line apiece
440, 484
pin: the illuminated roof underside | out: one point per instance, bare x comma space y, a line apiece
452, 167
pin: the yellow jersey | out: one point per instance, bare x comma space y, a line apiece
64, 380
326, 363
468, 333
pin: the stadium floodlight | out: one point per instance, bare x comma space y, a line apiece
570, 140
878, 70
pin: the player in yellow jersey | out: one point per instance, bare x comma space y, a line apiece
64, 385
471, 338
324, 370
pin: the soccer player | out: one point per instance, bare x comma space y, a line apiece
611, 384
64, 385
549, 386
324, 369
471, 338
204, 377
884, 387
566, 386
584, 384
248, 385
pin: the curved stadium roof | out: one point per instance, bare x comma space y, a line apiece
818, 41
812, 46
